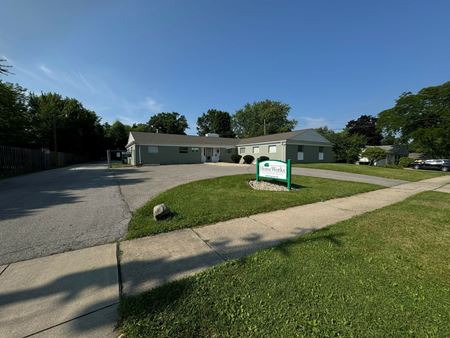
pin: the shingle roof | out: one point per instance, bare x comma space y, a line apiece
191, 140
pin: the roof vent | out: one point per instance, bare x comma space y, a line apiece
212, 135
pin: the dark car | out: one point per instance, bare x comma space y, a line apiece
441, 164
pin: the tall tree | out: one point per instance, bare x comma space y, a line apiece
15, 121
168, 123
421, 119
215, 121
346, 147
366, 126
143, 127
117, 135
4, 68
263, 117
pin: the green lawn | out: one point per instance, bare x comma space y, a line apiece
382, 274
115, 165
218, 199
400, 174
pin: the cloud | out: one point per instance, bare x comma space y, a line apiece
152, 105
47, 71
313, 122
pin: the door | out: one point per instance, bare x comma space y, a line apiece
208, 152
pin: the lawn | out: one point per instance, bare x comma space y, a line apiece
218, 199
382, 274
399, 174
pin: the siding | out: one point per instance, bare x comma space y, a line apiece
264, 151
169, 155
311, 154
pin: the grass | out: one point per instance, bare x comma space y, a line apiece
399, 174
115, 165
218, 199
382, 274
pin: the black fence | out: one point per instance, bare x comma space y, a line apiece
16, 161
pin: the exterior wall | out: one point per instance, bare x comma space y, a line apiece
168, 155
310, 153
225, 154
264, 151
132, 159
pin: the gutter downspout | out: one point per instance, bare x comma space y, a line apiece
140, 158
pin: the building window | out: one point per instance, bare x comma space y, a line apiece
256, 150
320, 153
242, 150
195, 150
183, 150
272, 149
300, 153
152, 149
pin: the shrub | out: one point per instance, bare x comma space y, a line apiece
405, 162
248, 159
374, 154
236, 158
263, 158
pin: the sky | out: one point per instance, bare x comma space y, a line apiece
331, 61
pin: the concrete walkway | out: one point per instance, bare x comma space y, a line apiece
76, 293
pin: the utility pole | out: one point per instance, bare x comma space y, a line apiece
264, 126
55, 145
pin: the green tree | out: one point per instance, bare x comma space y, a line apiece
117, 135
215, 121
168, 123
374, 154
4, 68
346, 147
422, 120
250, 120
15, 123
142, 127
366, 126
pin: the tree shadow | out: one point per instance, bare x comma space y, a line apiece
136, 275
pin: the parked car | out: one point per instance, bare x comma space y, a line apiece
435, 164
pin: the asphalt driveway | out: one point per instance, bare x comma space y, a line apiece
81, 206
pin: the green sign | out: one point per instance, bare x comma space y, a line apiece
275, 170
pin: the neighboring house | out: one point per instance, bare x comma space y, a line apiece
393, 154
301, 146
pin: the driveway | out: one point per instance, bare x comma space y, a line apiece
81, 206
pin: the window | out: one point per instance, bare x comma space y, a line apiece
255, 150
320, 153
300, 153
195, 150
152, 149
272, 149
242, 150
183, 150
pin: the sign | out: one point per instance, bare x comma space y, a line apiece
276, 170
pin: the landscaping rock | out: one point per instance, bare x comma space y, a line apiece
271, 186
161, 211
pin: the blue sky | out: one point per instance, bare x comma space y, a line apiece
330, 60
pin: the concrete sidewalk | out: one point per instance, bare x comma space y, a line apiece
152, 261
76, 293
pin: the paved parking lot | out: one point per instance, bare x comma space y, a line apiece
81, 206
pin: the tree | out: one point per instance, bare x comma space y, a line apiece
366, 126
15, 121
142, 127
117, 135
168, 123
374, 154
422, 120
215, 121
4, 68
346, 147
250, 120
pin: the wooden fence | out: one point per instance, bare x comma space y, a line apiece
16, 161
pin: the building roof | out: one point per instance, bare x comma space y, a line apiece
399, 149
307, 135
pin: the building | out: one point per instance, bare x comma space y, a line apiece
300, 146
393, 154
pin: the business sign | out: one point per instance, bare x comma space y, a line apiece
276, 170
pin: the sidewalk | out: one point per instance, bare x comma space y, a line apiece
76, 293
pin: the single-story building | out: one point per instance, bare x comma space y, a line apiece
393, 154
300, 146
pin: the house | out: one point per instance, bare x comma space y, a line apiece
393, 154
300, 146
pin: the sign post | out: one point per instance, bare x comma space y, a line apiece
275, 170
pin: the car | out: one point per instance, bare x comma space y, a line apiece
434, 164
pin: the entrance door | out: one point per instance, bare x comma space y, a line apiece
208, 152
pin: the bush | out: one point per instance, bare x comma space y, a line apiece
405, 162
263, 158
374, 154
236, 158
248, 159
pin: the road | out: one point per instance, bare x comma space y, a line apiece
81, 206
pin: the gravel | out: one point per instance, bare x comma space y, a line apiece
271, 186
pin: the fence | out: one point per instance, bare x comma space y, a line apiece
16, 161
